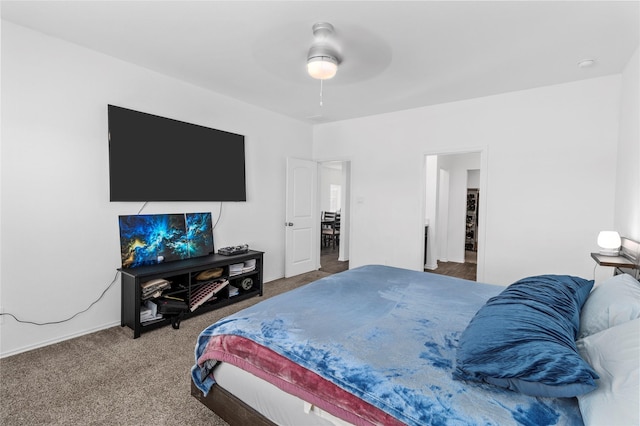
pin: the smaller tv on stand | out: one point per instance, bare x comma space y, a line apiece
158, 238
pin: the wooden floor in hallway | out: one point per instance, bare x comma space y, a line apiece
329, 261
466, 270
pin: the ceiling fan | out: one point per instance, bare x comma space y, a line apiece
368, 55
323, 57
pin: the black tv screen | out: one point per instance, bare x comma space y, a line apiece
153, 158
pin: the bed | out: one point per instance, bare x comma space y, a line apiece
383, 345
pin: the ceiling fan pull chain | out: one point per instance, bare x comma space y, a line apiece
320, 93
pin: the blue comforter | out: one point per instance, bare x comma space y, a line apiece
388, 336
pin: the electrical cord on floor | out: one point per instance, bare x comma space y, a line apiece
71, 317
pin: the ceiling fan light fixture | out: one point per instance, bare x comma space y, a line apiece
322, 67
323, 58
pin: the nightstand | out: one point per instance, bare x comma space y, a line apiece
618, 262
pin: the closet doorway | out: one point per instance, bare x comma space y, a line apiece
454, 214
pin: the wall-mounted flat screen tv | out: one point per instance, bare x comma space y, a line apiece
153, 158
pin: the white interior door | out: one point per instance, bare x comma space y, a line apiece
302, 217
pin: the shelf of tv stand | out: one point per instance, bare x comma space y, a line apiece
133, 278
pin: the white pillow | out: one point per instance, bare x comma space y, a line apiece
613, 302
614, 354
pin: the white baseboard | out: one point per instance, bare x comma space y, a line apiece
57, 340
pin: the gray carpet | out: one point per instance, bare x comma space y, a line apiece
108, 378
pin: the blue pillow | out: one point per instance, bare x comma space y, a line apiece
524, 339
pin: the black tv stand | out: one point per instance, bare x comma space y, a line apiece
182, 275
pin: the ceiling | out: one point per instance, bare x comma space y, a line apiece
396, 55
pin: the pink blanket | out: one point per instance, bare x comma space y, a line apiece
294, 379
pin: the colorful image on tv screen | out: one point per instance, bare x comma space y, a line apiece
199, 234
157, 238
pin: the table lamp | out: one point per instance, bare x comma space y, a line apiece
609, 242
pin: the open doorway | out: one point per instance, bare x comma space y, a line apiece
334, 195
453, 219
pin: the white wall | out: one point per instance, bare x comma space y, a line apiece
444, 214
329, 175
59, 232
345, 223
551, 163
430, 211
473, 179
627, 200
457, 165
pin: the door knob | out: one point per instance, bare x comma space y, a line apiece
288, 224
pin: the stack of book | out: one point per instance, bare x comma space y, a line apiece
249, 266
233, 291
149, 312
235, 269
242, 268
154, 288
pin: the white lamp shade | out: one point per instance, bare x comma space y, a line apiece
609, 242
322, 67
